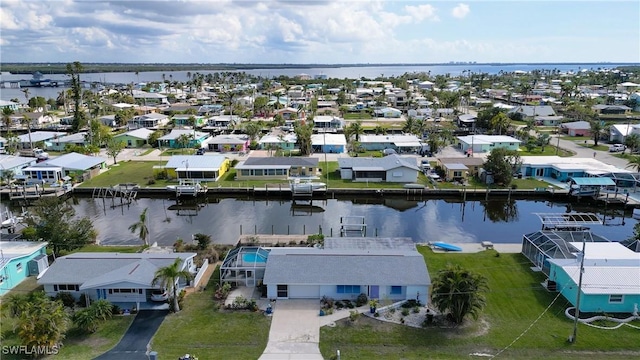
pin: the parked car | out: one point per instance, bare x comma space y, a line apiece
159, 295
617, 148
200, 151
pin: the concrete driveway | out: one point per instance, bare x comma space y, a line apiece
294, 332
133, 345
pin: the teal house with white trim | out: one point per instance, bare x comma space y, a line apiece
610, 281
19, 260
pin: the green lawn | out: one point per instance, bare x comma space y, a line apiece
575, 138
137, 172
593, 147
202, 331
524, 183
171, 152
514, 302
109, 248
548, 151
357, 115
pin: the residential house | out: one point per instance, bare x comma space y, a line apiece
19, 260
189, 120
147, 98
618, 132
328, 143
108, 120
628, 86
636, 98
406, 143
135, 138
211, 110
485, 143
15, 164
471, 166
443, 112
123, 279
345, 268
609, 282
195, 167
9, 104
467, 121
530, 112
328, 123
611, 109
77, 166
576, 128
387, 112
150, 121
548, 120
283, 168
221, 122
230, 142
391, 168
562, 168
43, 139
36, 119
289, 113
425, 85
3, 144
60, 143
171, 140
285, 142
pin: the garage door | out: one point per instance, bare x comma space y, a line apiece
304, 292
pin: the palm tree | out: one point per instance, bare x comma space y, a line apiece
6, 116
26, 121
459, 292
141, 227
632, 141
167, 277
356, 129
634, 163
500, 122
596, 131
26, 96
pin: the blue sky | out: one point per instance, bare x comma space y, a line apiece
319, 31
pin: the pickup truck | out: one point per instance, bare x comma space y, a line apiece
36, 153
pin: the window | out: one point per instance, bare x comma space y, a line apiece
66, 287
19, 267
457, 174
396, 290
348, 289
616, 299
125, 291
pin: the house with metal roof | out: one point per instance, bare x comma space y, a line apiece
282, 168
228, 142
271, 141
610, 281
328, 143
611, 109
135, 138
387, 112
151, 121
576, 128
78, 166
15, 164
171, 140
561, 169
195, 167
391, 168
19, 260
529, 111
472, 165
44, 137
485, 143
117, 277
406, 143
60, 143
344, 268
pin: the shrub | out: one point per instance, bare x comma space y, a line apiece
203, 240
66, 298
82, 300
353, 315
339, 305
411, 304
151, 181
416, 310
377, 314
405, 312
361, 299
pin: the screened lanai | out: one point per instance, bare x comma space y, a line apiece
542, 245
622, 179
244, 266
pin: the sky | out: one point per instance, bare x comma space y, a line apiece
319, 31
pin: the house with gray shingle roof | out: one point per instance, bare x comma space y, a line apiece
230, 142
135, 138
391, 168
529, 111
283, 168
116, 277
381, 268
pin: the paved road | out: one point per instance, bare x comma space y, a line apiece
133, 345
585, 152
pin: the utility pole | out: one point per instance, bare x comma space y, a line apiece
574, 337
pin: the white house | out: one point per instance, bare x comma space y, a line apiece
391, 168
116, 277
399, 143
381, 268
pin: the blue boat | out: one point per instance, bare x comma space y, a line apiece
446, 246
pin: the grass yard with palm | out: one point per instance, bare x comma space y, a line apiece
514, 301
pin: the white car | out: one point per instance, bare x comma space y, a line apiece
617, 148
159, 295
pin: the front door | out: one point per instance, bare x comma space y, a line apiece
540, 172
251, 281
374, 292
283, 291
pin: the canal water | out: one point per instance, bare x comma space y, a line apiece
454, 221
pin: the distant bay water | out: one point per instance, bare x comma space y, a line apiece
350, 72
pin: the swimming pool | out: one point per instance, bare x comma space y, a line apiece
253, 258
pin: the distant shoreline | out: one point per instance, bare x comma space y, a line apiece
60, 68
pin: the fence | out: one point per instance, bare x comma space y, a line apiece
203, 269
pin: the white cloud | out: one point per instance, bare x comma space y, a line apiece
422, 12
460, 11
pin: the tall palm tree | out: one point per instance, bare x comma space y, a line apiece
459, 292
26, 96
596, 131
167, 277
141, 227
26, 121
6, 116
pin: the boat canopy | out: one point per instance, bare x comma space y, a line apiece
593, 181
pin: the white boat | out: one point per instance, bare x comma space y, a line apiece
11, 220
300, 186
188, 187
